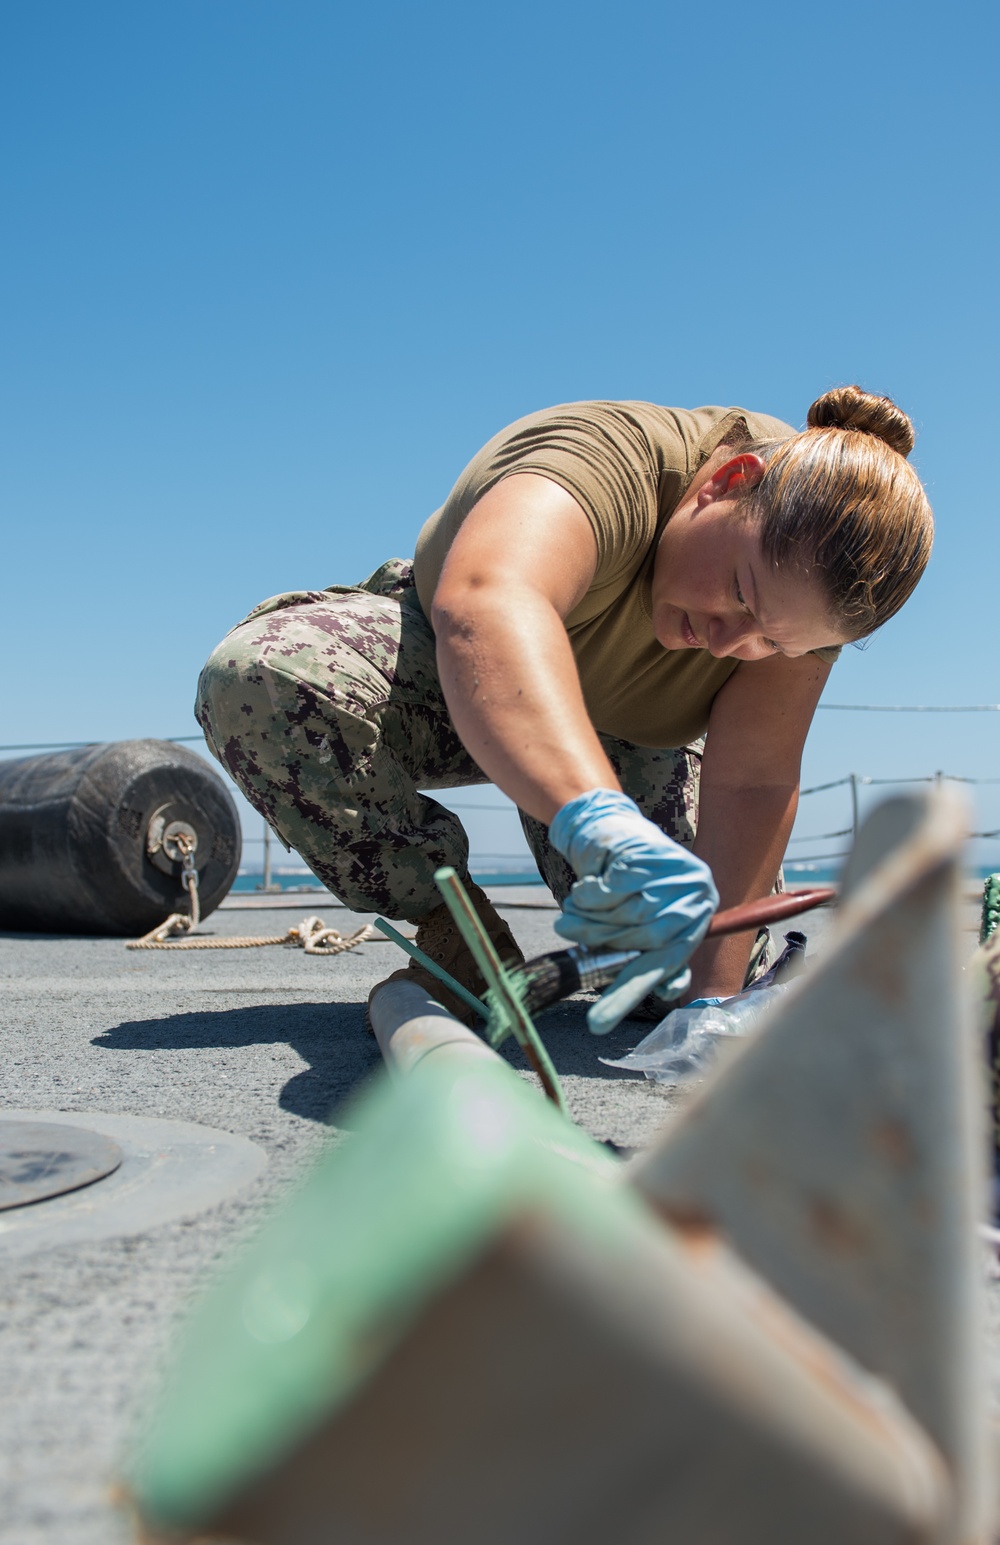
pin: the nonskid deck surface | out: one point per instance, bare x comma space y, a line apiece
261, 1044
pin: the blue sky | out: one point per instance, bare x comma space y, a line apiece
271, 273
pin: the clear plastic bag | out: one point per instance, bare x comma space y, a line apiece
685, 1043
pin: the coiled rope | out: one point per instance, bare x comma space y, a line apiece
312, 935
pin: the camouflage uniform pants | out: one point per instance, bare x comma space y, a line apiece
326, 709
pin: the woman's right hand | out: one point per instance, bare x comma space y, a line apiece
637, 890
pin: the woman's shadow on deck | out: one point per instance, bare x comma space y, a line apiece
330, 1037
333, 1040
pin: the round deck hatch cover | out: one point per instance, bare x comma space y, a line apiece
39, 1159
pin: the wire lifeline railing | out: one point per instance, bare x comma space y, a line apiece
860, 780
792, 860
853, 780
67, 745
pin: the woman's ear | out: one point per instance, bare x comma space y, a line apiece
736, 476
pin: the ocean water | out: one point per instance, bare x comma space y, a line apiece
829, 874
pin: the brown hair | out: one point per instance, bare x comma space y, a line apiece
841, 500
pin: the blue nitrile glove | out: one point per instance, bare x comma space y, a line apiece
638, 890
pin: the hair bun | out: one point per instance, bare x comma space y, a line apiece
848, 407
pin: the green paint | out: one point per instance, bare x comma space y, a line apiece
991, 907
437, 1166
507, 1012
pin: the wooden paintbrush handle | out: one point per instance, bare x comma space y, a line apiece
770, 909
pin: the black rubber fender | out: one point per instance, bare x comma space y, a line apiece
73, 837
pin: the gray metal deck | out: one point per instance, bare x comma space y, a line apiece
267, 1044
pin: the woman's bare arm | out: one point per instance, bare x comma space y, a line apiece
523, 558
749, 795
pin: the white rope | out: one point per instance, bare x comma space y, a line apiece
312, 935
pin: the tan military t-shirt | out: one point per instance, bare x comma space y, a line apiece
628, 464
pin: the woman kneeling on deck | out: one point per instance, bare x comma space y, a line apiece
606, 584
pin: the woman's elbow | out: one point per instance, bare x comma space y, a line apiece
455, 607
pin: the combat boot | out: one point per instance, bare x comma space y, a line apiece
439, 938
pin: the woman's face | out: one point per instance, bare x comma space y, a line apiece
713, 589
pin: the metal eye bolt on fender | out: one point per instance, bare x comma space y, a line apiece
472, 1324
110, 838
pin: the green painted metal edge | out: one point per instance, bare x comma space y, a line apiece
436, 1166
991, 908
508, 1013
